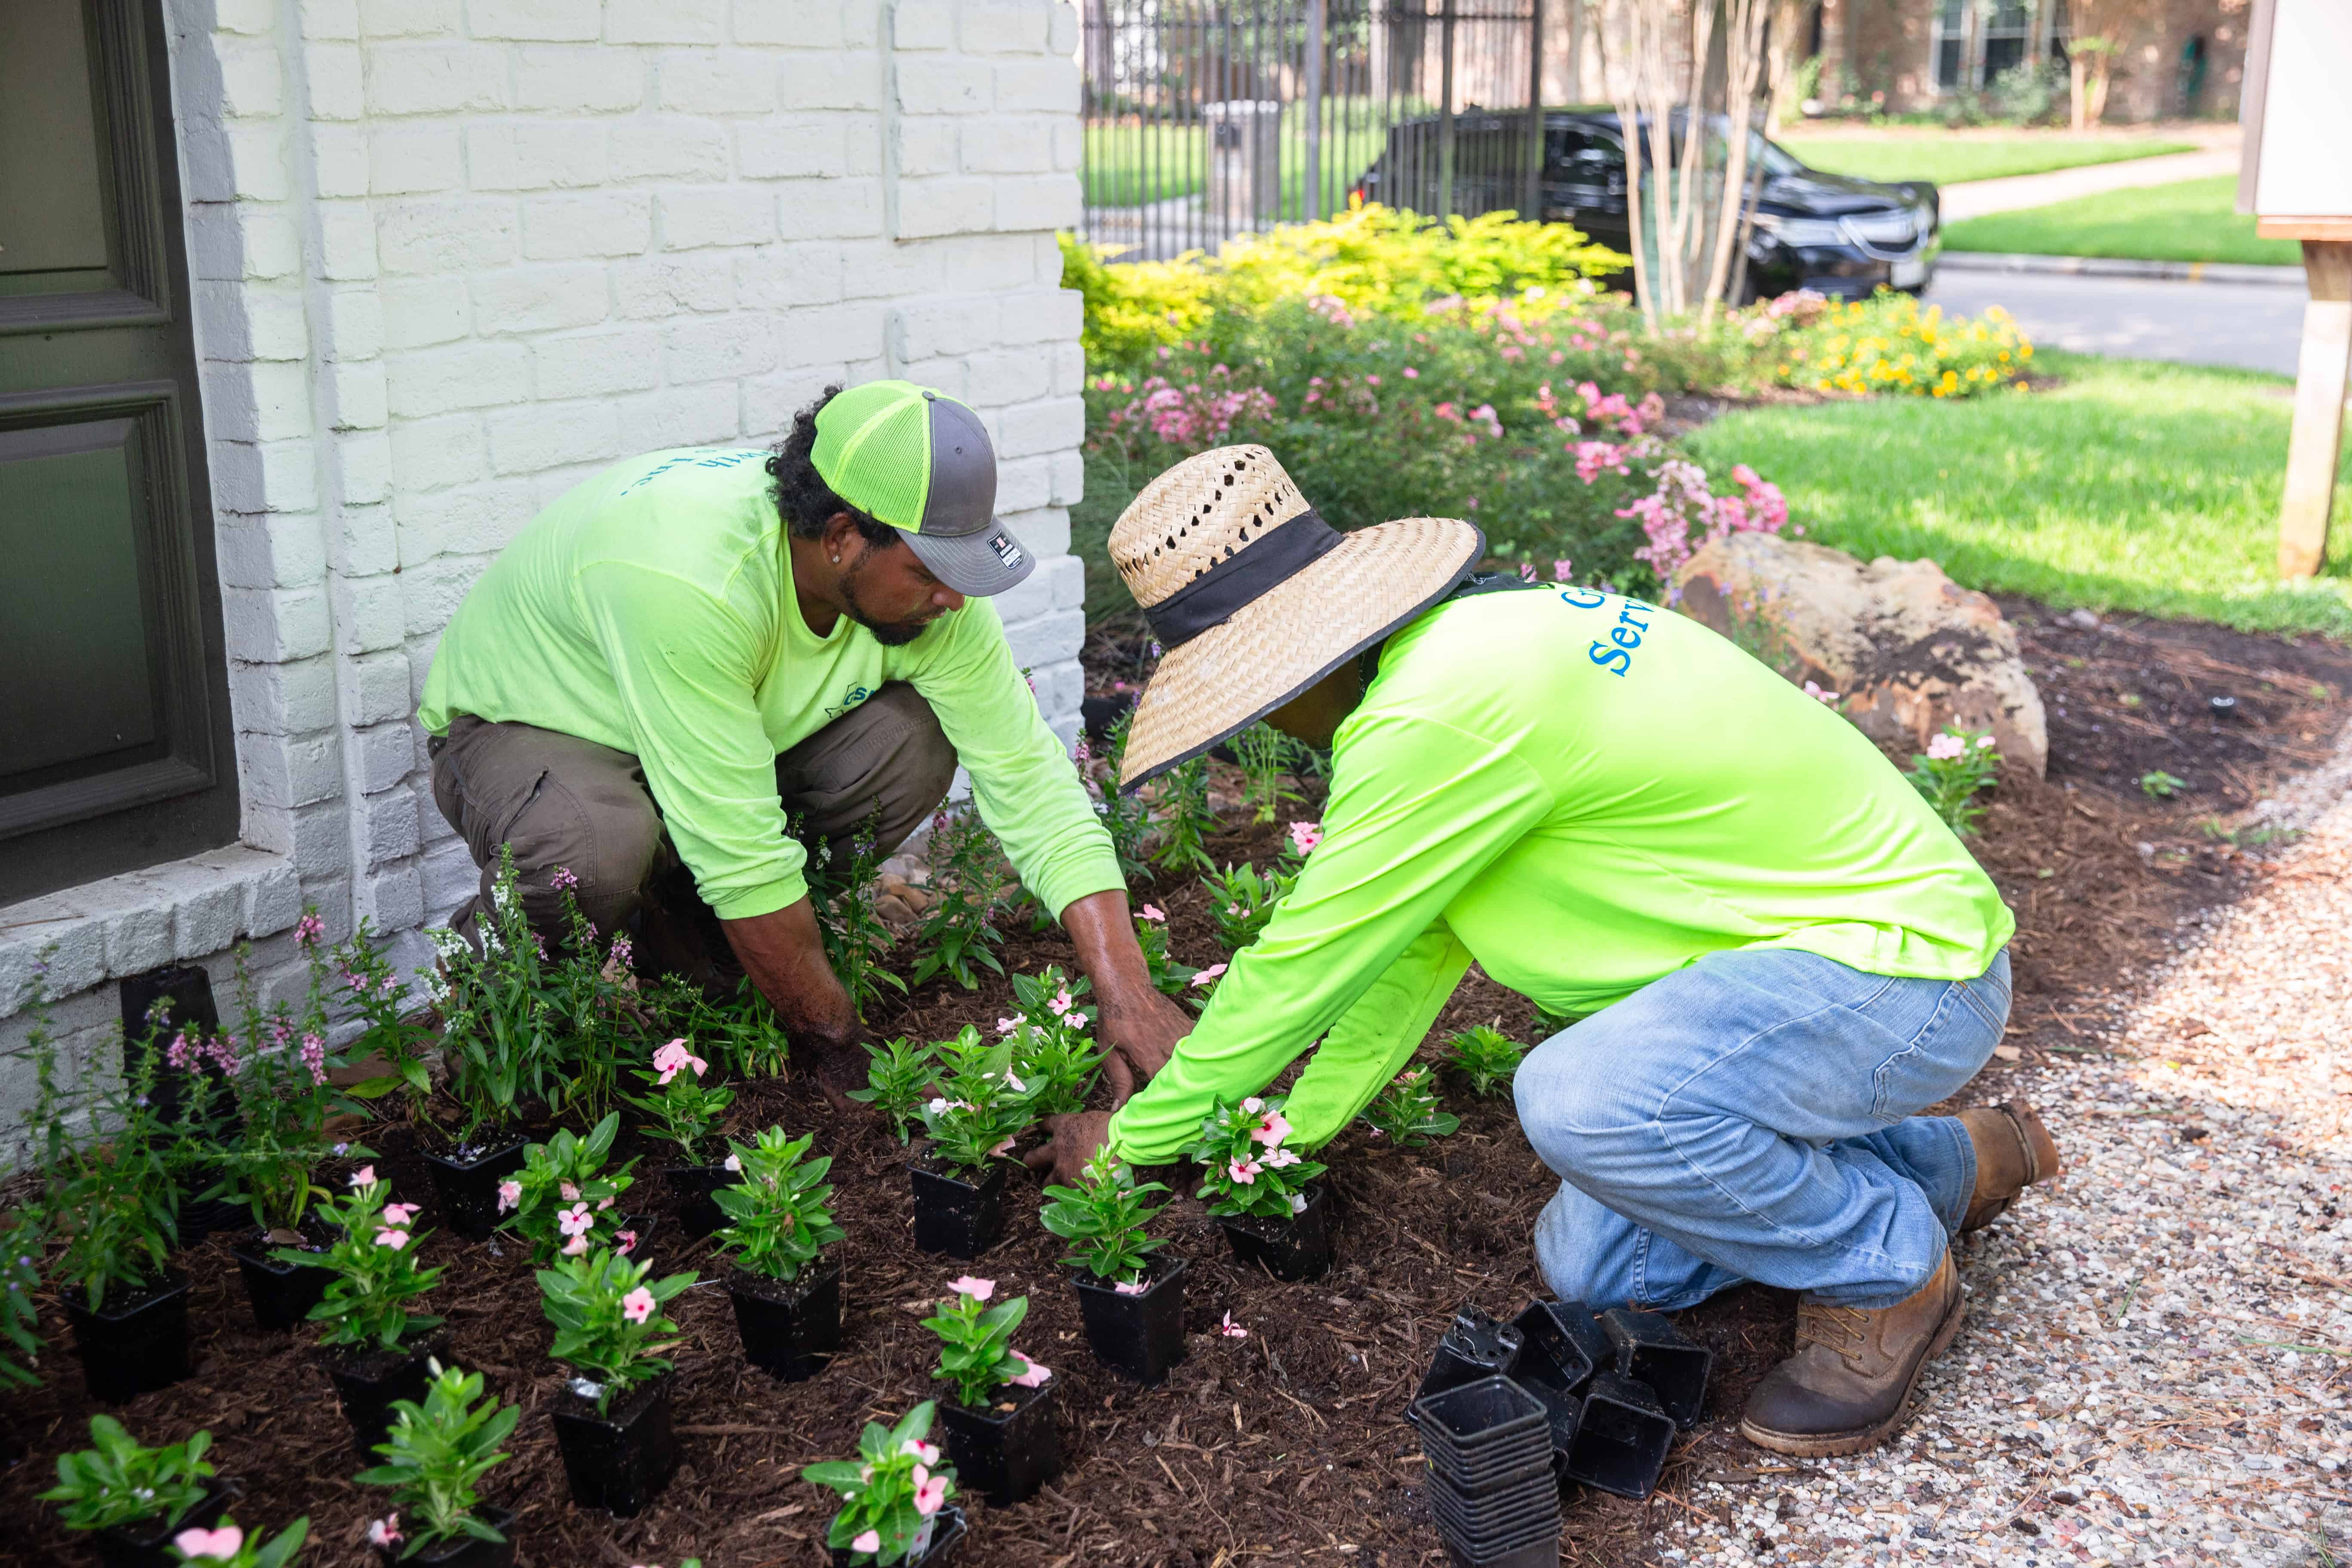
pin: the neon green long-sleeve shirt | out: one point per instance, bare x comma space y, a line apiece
650, 608
1584, 793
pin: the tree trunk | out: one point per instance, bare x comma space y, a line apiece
2102, 73
2078, 99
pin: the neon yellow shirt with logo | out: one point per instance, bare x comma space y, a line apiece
1584, 793
650, 608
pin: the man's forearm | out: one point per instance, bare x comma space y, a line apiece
1104, 934
783, 953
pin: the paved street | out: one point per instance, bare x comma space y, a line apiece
2253, 325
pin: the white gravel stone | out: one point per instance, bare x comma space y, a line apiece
2159, 1350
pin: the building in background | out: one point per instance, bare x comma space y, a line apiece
306, 306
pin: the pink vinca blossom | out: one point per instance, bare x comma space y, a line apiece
930, 1491
577, 1248
1151, 913
1129, 1287
1273, 1130
1006, 1026
1944, 748
399, 1214
509, 1196
1278, 1159
929, 1453
977, 1288
638, 1306
1208, 976
222, 1542
575, 1220
363, 1177
1819, 695
385, 1531
391, 1237
571, 1194
1034, 1377
626, 1243
1232, 1329
674, 1059
1244, 1171
871, 1540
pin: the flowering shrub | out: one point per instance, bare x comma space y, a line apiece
1105, 1217
976, 1352
1407, 1114
984, 1105
1243, 901
778, 1218
608, 1321
890, 1493
1250, 1173
1682, 501
227, 1546
1890, 344
1487, 1058
684, 1110
561, 1202
118, 1482
1955, 766
374, 1264
896, 1077
433, 1455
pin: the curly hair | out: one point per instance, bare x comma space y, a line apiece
803, 499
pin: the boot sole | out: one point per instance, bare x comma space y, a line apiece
1836, 1444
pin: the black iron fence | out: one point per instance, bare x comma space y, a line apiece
1206, 119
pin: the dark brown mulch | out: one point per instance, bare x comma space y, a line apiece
1287, 1446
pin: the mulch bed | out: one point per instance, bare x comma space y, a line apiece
1287, 1446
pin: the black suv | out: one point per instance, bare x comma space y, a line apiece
1830, 233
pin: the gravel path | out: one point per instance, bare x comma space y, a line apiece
2156, 1361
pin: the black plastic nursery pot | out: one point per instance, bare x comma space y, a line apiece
466, 1180
1005, 1449
1621, 1443
948, 1528
464, 1550
698, 1214
281, 1294
791, 1328
1651, 1350
1484, 1436
956, 1212
147, 1542
620, 1460
1563, 1348
1295, 1248
1473, 1346
369, 1381
1140, 1334
136, 1342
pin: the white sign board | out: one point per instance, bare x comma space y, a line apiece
2297, 110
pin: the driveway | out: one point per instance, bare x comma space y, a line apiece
2250, 325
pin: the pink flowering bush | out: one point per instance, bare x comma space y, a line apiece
976, 1353
891, 1494
1251, 1170
1957, 765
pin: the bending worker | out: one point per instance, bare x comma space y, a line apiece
1778, 952
685, 647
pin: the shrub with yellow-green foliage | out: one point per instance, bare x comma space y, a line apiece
1374, 261
1888, 344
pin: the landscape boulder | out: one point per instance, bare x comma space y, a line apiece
1906, 649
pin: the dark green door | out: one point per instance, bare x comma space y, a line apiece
115, 747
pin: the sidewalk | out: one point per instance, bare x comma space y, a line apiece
2122, 267
1975, 198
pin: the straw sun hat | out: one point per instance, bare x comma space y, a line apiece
1255, 598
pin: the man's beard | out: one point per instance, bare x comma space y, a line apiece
890, 634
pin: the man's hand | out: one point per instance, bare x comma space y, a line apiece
1077, 1137
1141, 1027
783, 953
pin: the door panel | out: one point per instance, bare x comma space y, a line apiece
115, 746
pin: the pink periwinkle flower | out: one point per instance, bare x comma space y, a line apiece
626, 1243
1060, 1004
575, 1220
928, 1453
385, 1531
577, 1248
1244, 1171
979, 1289
638, 1306
391, 1237
1252, 1105
1277, 1158
1944, 748
871, 1540
1232, 1329
1006, 1026
674, 1059
1984, 743
1151, 913
1036, 1374
399, 1214
362, 1178
509, 1196
226, 1541
571, 1194
1208, 976
1819, 695
1273, 1130
930, 1491
1129, 1287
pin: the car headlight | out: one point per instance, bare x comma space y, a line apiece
1800, 230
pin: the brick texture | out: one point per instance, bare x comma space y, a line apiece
450, 256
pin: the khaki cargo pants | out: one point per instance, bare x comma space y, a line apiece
560, 800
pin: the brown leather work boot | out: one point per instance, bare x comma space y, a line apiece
2014, 1151
1845, 1389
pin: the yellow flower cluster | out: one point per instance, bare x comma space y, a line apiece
1891, 344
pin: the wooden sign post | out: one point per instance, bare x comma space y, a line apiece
2296, 180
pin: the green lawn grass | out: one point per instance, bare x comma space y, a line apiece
1128, 164
1949, 159
2132, 486
2194, 220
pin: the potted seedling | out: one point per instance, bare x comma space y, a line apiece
227, 1546
1000, 1409
685, 1111
613, 1418
956, 934
129, 1309
1132, 1303
897, 1081
959, 1179
1263, 1194
787, 1295
1168, 975
433, 1458
133, 1498
1485, 1059
1051, 1053
564, 1203
894, 1498
1406, 1114
1242, 901
500, 1046
375, 1349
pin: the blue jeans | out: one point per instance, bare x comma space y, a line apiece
1751, 1118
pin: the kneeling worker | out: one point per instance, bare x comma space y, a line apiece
1779, 953
684, 648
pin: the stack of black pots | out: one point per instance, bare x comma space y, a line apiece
1611, 1392
1491, 1485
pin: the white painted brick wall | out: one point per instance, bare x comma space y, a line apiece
448, 257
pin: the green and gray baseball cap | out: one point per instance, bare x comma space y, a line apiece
920, 461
